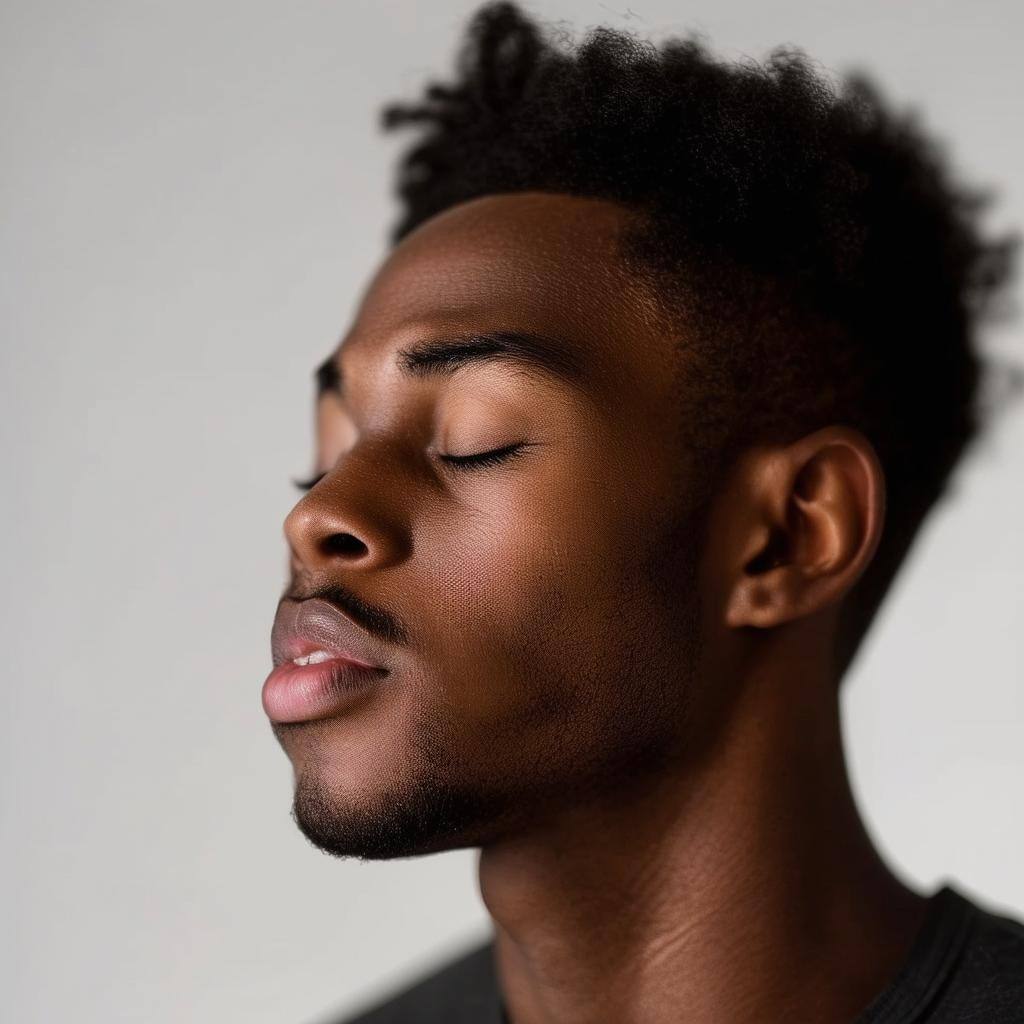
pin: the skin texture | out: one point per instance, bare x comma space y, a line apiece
624, 698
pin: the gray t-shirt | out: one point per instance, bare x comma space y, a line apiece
966, 966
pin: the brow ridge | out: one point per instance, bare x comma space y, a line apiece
443, 357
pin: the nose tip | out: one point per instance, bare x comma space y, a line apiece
317, 535
324, 532
357, 514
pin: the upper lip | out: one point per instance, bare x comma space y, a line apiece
301, 627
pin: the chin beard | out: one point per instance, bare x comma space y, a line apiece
424, 811
429, 813
425, 816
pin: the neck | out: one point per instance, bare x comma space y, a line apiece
743, 888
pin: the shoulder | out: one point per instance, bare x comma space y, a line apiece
987, 986
461, 990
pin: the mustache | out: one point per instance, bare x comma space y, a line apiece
374, 620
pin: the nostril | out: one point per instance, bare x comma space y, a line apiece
343, 544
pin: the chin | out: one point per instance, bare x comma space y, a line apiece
404, 818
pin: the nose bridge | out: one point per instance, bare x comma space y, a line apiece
351, 515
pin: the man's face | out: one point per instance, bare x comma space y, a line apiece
540, 616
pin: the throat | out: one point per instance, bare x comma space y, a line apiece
743, 890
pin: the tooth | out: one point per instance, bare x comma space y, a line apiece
313, 658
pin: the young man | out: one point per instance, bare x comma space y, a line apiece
625, 443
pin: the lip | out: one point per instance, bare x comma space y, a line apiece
304, 693
301, 627
295, 693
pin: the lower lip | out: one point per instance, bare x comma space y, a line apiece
301, 693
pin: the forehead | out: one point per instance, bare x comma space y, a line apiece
533, 262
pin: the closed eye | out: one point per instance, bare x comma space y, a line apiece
480, 460
483, 459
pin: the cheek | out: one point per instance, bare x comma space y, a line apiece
525, 600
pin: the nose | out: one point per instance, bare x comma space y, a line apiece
343, 521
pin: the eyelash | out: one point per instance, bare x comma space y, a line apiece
484, 459
462, 463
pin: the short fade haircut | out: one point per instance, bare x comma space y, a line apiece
814, 259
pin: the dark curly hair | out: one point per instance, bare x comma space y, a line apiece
816, 262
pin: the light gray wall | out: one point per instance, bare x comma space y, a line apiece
193, 194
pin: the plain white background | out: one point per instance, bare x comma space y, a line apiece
193, 196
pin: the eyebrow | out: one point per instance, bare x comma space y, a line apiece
443, 357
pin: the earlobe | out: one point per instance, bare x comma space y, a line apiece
767, 598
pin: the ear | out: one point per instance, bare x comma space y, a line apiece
808, 519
